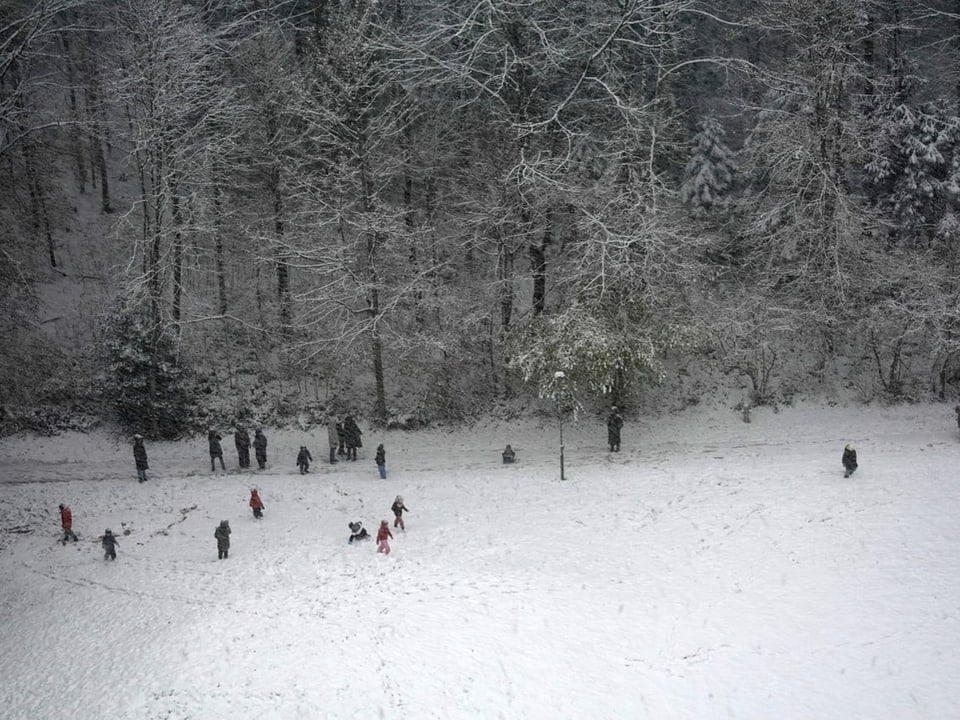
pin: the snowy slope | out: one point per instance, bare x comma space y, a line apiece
713, 569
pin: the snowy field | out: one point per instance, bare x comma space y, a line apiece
713, 569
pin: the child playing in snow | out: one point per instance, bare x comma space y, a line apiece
109, 543
303, 459
66, 524
357, 532
381, 461
222, 534
256, 503
508, 455
849, 460
383, 546
398, 507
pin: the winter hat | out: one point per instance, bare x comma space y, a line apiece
399, 499
384, 523
138, 436
62, 506
848, 446
108, 531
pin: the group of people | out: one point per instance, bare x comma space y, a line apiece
241, 439
358, 532
108, 540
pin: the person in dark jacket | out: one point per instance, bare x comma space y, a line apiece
213, 439
260, 447
398, 509
849, 460
381, 460
508, 455
140, 458
241, 439
383, 538
303, 459
341, 439
222, 534
66, 524
352, 435
256, 504
614, 425
357, 532
109, 543
333, 437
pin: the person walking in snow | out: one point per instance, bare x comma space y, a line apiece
849, 460
66, 524
241, 438
260, 447
216, 451
352, 433
256, 504
109, 543
614, 425
383, 538
398, 509
381, 460
222, 534
303, 459
357, 532
140, 458
333, 437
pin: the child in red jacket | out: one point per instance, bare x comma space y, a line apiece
256, 503
382, 534
66, 523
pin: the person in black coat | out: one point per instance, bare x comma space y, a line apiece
140, 458
303, 459
260, 447
849, 460
241, 438
614, 425
213, 439
352, 435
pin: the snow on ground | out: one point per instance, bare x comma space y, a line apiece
713, 569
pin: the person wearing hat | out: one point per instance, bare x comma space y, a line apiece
849, 460
66, 523
216, 451
260, 448
109, 543
140, 457
222, 534
614, 424
256, 504
241, 438
383, 538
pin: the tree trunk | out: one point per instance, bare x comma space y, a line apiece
177, 257
283, 272
218, 252
505, 283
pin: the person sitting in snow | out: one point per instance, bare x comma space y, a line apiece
398, 507
849, 460
222, 534
357, 532
109, 543
508, 455
303, 459
383, 537
256, 503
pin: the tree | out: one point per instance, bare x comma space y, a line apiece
709, 172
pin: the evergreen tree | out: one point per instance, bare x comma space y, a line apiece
145, 380
709, 172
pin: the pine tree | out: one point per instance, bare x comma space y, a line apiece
709, 173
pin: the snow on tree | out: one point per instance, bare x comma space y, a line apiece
709, 172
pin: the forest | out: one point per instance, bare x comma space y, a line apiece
232, 210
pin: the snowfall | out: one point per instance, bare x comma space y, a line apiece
711, 569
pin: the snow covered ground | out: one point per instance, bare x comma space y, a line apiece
713, 569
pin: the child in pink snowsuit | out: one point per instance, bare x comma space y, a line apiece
382, 534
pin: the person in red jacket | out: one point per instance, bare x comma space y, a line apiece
383, 546
256, 503
66, 522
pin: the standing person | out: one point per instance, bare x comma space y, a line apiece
398, 508
352, 435
333, 437
256, 504
260, 447
957, 411
213, 439
381, 460
614, 424
140, 458
383, 546
66, 523
109, 543
241, 439
849, 460
222, 534
303, 459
